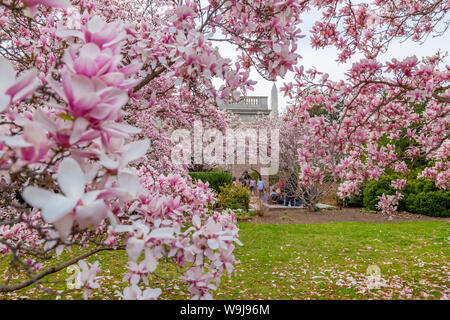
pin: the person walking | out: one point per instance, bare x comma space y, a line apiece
260, 187
252, 185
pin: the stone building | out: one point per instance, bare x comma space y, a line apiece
247, 108
250, 106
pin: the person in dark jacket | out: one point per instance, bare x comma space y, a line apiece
290, 188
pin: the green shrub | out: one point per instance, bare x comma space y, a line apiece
431, 203
419, 196
216, 179
234, 197
376, 188
354, 201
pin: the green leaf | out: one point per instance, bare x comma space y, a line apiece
66, 117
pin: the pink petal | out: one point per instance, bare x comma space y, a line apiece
24, 86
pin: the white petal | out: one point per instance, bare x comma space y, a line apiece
91, 215
66, 33
112, 219
129, 182
4, 101
8, 74
134, 248
150, 262
64, 226
95, 24
162, 233
79, 128
57, 207
91, 171
123, 228
90, 50
90, 196
196, 221
57, 3
41, 118
121, 126
135, 150
213, 244
108, 163
15, 141
83, 265
37, 197
150, 293
30, 81
71, 178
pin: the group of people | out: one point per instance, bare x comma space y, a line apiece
291, 193
283, 194
253, 185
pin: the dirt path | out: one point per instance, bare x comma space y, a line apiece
303, 216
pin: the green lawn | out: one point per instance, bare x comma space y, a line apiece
316, 261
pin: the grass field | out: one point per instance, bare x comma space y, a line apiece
311, 261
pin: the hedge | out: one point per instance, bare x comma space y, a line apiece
420, 196
376, 188
215, 179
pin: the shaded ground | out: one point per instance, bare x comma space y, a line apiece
301, 216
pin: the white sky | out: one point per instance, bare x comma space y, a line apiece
324, 60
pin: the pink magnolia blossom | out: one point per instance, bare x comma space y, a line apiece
133, 292
32, 145
12, 89
75, 205
399, 184
91, 98
33, 4
88, 276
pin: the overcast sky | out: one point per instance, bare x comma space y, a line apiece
324, 60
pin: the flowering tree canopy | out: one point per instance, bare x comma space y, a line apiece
351, 126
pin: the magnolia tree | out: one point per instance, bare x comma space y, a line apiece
88, 93
345, 131
290, 135
347, 123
